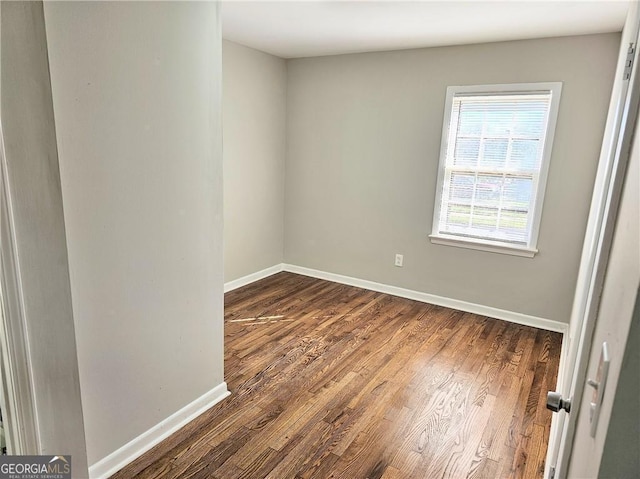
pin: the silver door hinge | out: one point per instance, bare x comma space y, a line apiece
628, 63
552, 472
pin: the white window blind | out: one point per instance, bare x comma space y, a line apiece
492, 163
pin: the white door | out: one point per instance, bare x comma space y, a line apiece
613, 160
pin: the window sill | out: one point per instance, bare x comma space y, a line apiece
492, 247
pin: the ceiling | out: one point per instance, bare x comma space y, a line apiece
293, 29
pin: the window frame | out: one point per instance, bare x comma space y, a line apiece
539, 187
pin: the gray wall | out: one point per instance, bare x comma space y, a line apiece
623, 434
33, 183
362, 154
254, 104
136, 96
615, 315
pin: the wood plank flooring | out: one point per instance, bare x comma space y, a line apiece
331, 381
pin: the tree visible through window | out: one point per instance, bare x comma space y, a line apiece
494, 159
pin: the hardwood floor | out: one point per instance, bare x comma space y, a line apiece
331, 381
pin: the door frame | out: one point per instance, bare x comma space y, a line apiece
614, 158
19, 418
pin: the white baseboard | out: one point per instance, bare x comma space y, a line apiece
145, 441
250, 278
513, 317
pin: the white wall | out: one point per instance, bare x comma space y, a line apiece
623, 433
363, 147
136, 96
254, 107
614, 322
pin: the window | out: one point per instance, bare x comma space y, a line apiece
496, 146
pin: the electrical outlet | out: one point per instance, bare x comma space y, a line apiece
399, 260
